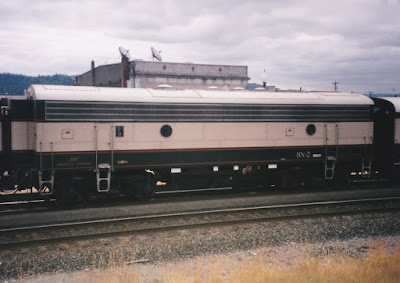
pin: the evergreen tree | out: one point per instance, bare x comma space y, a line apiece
14, 84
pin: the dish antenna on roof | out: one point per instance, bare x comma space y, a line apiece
124, 52
156, 54
264, 79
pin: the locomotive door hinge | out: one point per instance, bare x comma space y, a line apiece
330, 156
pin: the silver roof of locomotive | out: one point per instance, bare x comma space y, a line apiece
81, 93
394, 100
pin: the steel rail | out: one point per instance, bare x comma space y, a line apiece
195, 213
192, 225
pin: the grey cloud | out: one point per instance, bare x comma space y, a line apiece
299, 43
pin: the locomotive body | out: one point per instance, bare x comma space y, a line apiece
80, 140
387, 136
16, 150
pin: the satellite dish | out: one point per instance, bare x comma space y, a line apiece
156, 54
264, 79
124, 52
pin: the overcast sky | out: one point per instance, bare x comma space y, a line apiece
308, 43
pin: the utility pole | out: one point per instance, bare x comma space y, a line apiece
370, 93
335, 84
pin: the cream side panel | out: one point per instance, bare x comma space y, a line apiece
39, 131
31, 135
141, 136
65, 136
356, 133
103, 136
234, 131
150, 132
209, 135
128, 133
397, 131
349, 133
184, 135
289, 134
19, 135
294, 134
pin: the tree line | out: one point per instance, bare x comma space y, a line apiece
14, 84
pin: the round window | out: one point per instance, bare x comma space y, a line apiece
166, 131
311, 129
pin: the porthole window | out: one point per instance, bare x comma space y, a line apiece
311, 129
166, 131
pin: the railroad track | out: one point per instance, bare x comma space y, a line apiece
83, 230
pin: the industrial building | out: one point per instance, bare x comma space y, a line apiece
154, 74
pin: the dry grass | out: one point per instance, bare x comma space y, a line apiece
381, 265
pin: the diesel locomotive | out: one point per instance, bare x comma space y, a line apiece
76, 142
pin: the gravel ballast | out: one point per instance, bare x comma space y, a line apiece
283, 241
